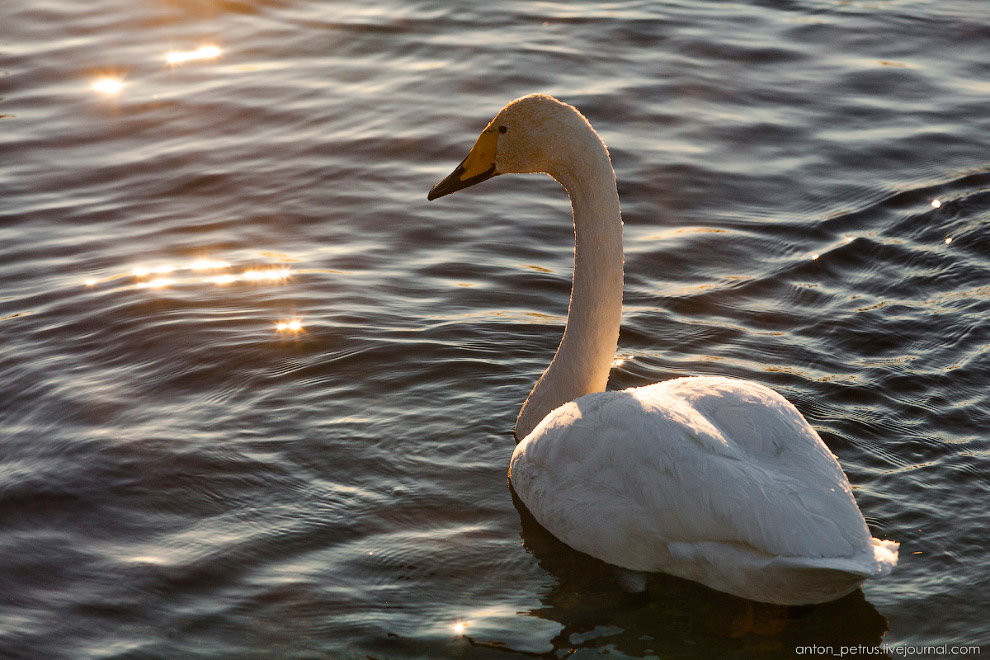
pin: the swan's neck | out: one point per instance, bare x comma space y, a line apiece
584, 357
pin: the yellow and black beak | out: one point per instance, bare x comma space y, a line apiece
477, 167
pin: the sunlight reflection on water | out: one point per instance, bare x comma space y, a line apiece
201, 53
159, 281
108, 85
292, 325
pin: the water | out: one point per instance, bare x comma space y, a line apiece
805, 187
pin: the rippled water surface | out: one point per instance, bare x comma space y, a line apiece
257, 394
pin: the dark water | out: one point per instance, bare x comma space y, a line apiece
806, 192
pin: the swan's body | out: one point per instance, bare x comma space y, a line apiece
713, 479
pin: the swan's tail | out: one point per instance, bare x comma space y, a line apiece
750, 573
885, 554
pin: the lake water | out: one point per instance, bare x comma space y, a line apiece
257, 394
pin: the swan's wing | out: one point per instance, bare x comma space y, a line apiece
632, 476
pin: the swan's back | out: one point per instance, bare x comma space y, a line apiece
714, 479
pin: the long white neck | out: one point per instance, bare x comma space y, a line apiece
584, 357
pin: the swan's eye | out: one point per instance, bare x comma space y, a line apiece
503, 129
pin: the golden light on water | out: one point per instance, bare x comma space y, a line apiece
266, 274
163, 275
141, 271
109, 85
477, 620
620, 360
157, 283
251, 275
936, 204
201, 53
291, 325
223, 279
208, 264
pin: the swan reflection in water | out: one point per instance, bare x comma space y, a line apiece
675, 617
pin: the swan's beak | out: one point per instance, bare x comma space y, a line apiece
477, 167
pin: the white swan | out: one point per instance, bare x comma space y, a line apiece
713, 479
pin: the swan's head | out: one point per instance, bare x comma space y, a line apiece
534, 133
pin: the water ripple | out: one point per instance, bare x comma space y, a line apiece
258, 394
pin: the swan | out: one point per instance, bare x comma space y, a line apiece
713, 479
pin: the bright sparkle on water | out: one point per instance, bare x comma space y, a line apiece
223, 279
268, 274
208, 264
108, 85
293, 325
157, 283
141, 271
202, 53
159, 273
620, 360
